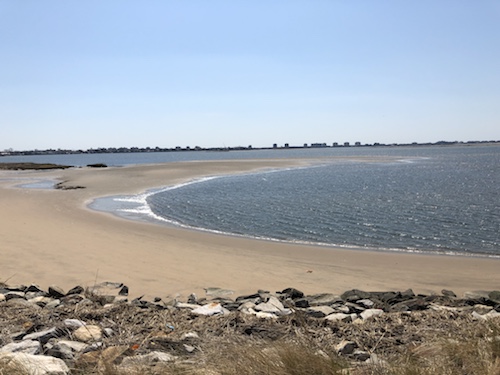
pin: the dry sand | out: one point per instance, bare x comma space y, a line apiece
50, 237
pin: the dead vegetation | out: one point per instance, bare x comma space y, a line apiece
416, 343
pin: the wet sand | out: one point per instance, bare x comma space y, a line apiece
51, 237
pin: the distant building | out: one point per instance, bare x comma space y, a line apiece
335, 144
346, 144
318, 145
275, 145
287, 145
305, 145
357, 144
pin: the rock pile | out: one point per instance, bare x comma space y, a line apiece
56, 331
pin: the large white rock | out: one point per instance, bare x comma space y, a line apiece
21, 363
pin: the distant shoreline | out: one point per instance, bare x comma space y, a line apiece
119, 150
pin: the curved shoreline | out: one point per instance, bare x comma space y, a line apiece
50, 235
136, 207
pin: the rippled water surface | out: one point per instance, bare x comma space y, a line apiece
446, 202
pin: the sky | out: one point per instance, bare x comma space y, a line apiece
162, 73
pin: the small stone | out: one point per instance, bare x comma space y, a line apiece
338, 317
346, 347
76, 290
301, 303
40, 301
88, 333
147, 359
13, 294
21, 363
2, 297
56, 292
324, 299
292, 293
74, 323
34, 288
360, 355
448, 293
273, 305
190, 335
25, 346
189, 348
320, 311
45, 335
369, 313
211, 309
53, 304
123, 291
366, 303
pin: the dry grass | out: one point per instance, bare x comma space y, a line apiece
420, 343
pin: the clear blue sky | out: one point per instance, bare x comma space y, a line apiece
110, 73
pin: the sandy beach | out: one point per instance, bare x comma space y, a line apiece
51, 237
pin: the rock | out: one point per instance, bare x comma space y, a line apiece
147, 359
416, 304
88, 333
338, 317
25, 346
369, 313
34, 288
53, 304
21, 363
292, 293
302, 303
490, 315
265, 315
360, 355
2, 297
354, 295
319, 311
189, 336
41, 301
365, 303
346, 347
13, 294
120, 299
494, 296
123, 291
273, 305
189, 348
45, 335
211, 309
74, 323
75, 346
324, 299
76, 290
64, 349
182, 305
448, 293
56, 292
